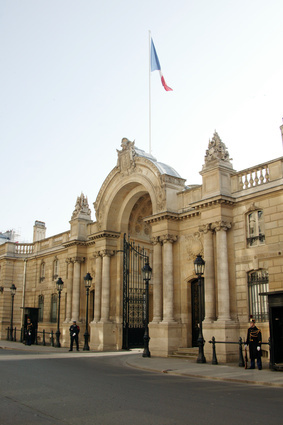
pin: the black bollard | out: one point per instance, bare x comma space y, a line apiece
241, 358
214, 358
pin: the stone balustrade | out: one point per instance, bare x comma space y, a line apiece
257, 176
24, 248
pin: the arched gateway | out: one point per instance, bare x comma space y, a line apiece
137, 199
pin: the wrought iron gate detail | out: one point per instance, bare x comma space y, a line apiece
134, 258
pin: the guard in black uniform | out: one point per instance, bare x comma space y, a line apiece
29, 332
74, 335
254, 343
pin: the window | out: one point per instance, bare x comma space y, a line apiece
257, 283
42, 272
40, 308
55, 269
53, 308
255, 228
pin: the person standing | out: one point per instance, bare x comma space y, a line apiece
74, 335
254, 343
29, 331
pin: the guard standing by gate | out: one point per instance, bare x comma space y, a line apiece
254, 343
74, 335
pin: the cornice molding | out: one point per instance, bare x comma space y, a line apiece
105, 234
162, 216
207, 203
74, 243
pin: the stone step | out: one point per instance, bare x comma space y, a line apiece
186, 352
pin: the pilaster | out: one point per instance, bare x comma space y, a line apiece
105, 291
221, 228
76, 287
168, 280
157, 280
209, 281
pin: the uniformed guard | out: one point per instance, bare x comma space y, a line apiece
74, 335
254, 343
29, 332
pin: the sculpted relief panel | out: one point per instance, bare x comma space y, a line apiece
194, 245
141, 209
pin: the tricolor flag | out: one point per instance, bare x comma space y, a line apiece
155, 65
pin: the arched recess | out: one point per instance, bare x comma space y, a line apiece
119, 197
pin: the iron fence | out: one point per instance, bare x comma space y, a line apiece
240, 343
40, 337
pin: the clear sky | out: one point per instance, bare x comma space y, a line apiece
74, 80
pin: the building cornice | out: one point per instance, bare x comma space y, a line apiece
74, 243
105, 234
216, 200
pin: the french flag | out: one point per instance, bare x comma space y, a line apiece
155, 65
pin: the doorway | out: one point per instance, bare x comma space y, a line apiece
195, 312
32, 314
277, 334
197, 297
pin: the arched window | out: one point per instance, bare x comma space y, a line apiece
53, 318
258, 282
255, 228
40, 307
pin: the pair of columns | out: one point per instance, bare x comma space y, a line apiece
102, 294
223, 293
163, 288
73, 287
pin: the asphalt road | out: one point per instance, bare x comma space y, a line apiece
105, 391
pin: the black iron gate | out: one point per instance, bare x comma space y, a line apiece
134, 296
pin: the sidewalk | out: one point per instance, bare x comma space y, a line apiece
228, 373
172, 366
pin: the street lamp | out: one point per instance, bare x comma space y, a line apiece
59, 285
13, 292
146, 271
88, 280
199, 264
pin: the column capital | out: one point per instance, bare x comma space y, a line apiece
221, 225
78, 260
205, 228
168, 238
155, 240
106, 253
97, 254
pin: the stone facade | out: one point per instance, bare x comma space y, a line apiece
233, 219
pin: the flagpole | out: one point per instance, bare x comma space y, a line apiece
149, 80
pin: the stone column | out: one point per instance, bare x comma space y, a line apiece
69, 290
157, 280
105, 290
209, 273
168, 280
221, 228
98, 281
76, 289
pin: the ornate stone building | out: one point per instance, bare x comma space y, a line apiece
233, 219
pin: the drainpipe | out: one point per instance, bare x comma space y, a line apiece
24, 291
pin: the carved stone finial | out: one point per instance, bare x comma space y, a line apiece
82, 209
216, 150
